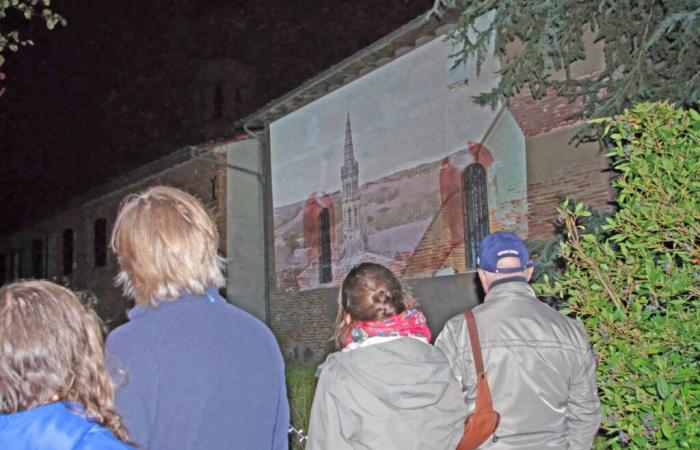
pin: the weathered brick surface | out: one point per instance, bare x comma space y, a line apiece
543, 115
300, 322
557, 169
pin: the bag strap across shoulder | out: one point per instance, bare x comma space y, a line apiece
483, 402
474, 341
483, 421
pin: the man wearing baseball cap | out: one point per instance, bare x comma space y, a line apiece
538, 362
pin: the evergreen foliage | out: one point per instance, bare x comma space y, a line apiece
545, 252
652, 49
548, 260
635, 287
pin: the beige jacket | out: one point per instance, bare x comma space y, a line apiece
539, 366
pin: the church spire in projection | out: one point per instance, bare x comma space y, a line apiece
349, 175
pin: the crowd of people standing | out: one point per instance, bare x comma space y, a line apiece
191, 371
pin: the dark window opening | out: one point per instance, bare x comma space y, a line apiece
202, 104
476, 210
326, 269
3, 269
218, 101
68, 252
237, 102
37, 258
101, 242
16, 265
213, 188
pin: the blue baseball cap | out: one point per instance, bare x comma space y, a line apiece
502, 244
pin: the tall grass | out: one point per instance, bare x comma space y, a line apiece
301, 385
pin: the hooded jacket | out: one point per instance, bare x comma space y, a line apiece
397, 394
539, 366
55, 426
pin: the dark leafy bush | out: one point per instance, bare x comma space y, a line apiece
547, 255
635, 286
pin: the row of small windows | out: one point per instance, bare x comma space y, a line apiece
476, 221
476, 225
11, 267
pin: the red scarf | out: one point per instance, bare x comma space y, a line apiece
411, 322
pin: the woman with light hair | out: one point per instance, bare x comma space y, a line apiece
192, 361
55, 391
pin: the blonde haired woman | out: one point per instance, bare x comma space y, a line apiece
55, 392
200, 373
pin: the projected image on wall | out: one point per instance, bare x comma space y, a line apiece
399, 167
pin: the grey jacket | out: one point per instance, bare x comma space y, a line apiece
539, 366
398, 395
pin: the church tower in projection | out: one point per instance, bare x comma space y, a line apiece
353, 241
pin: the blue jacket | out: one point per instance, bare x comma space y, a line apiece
199, 374
55, 427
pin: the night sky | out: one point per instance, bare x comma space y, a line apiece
113, 89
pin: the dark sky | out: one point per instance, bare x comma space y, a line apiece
113, 89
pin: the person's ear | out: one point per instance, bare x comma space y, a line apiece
484, 280
347, 319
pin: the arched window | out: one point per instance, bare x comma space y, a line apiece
476, 210
68, 251
100, 242
326, 269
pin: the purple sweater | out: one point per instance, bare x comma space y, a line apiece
199, 373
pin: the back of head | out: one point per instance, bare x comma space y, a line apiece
503, 254
166, 243
51, 349
506, 266
369, 292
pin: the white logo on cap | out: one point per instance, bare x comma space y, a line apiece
508, 252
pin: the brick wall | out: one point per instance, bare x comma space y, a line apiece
191, 175
558, 169
536, 117
300, 321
